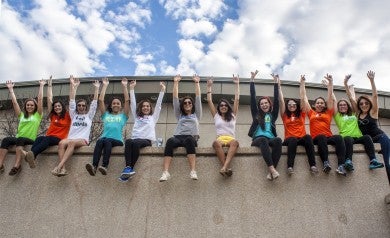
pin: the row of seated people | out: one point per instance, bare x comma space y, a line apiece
356, 120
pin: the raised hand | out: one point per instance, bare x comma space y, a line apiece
132, 84
275, 77
50, 81
210, 82
124, 82
10, 84
105, 81
303, 78
42, 82
253, 74
177, 78
196, 78
162, 84
236, 79
96, 84
346, 79
371, 74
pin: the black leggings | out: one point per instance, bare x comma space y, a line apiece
365, 140
42, 143
104, 145
20, 141
322, 141
293, 142
270, 158
132, 148
186, 141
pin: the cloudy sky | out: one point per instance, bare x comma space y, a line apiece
39, 38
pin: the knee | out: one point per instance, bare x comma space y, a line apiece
217, 144
234, 143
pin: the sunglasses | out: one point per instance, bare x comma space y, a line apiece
223, 105
187, 103
292, 104
364, 103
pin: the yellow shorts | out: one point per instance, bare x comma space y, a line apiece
225, 139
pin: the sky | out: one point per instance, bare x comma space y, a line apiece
97, 38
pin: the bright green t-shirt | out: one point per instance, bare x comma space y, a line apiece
28, 127
348, 125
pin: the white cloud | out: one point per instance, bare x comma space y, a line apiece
191, 28
144, 65
193, 8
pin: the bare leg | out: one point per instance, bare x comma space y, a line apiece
62, 148
192, 160
167, 162
3, 153
18, 155
72, 145
233, 146
219, 151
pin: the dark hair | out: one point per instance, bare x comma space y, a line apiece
182, 105
261, 116
325, 108
229, 114
297, 112
366, 98
349, 110
24, 107
109, 107
139, 108
81, 100
53, 113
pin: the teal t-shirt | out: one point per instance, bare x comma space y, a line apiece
348, 125
113, 125
28, 127
267, 132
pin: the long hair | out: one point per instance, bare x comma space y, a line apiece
109, 107
297, 112
86, 105
25, 104
182, 105
139, 108
349, 110
364, 97
326, 106
229, 114
63, 111
261, 116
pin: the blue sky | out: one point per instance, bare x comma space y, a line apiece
99, 38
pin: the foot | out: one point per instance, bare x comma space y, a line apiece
62, 172
290, 171
91, 169
15, 170
275, 174
165, 176
193, 175
123, 179
341, 170
313, 170
55, 171
327, 167
30, 159
349, 165
127, 172
223, 172
375, 164
229, 172
102, 170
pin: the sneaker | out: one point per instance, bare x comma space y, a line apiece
123, 179
327, 167
229, 172
341, 170
2, 169
91, 169
127, 172
193, 175
102, 170
55, 171
313, 169
349, 165
269, 177
165, 176
15, 170
275, 174
62, 172
290, 171
30, 159
375, 164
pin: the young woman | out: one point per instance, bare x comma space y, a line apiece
80, 128
29, 120
144, 129
320, 119
225, 124
294, 131
263, 130
347, 122
58, 128
114, 120
188, 113
367, 110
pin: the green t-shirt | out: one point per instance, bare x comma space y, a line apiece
348, 125
28, 127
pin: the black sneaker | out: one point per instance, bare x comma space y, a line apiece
91, 169
327, 167
102, 170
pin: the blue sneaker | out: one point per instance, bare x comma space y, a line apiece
123, 179
327, 167
349, 165
340, 170
127, 172
375, 164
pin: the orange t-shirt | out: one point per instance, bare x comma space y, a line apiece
59, 127
320, 123
294, 126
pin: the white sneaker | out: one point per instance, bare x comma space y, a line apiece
193, 175
269, 177
165, 176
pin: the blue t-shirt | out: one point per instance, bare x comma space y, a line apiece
267, 132
113, 125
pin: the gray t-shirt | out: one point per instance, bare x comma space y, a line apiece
187, 124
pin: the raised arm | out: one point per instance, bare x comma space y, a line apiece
198, 99
196, 79
375, 108
305, 105
96, 84
133, 100
176, 80
236, 81
331, 101
212, 108
126, 106
10, 86
49, 94
350, 93
40, 96
276, 103
282, 106
254, 108
102, 106
74, 83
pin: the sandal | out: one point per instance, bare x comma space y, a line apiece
62, 172
223, 172
15, 170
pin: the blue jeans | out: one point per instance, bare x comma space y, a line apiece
383, 139
42, 143
104, 145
